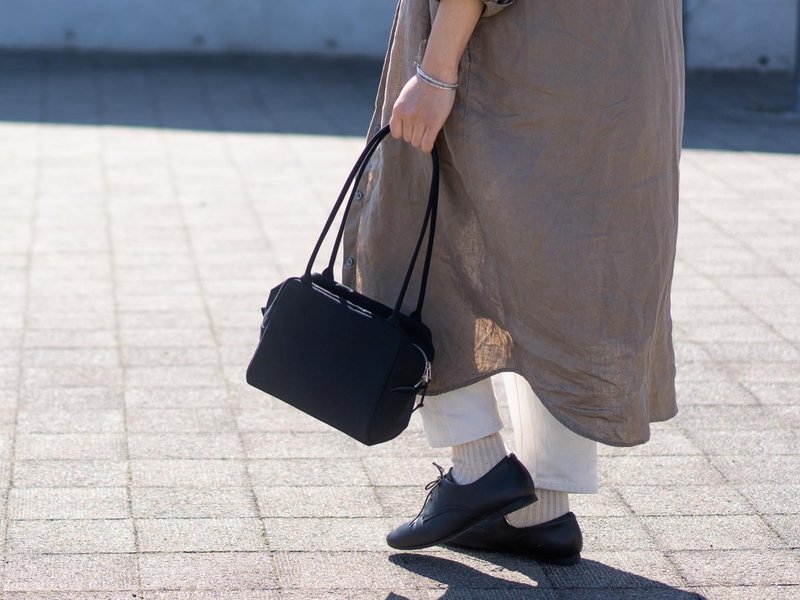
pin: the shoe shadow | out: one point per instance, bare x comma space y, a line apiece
517, 577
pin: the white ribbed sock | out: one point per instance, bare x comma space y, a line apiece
551, 504
473, 460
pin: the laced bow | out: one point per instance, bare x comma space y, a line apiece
432, 486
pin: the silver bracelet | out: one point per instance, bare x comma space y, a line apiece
432, 80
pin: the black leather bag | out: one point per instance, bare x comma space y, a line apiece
340, 356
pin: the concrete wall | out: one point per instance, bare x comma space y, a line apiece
752, 34
719, 33
325, 26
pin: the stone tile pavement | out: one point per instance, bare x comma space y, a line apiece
147, 207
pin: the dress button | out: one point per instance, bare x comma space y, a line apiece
359, 195
350, 261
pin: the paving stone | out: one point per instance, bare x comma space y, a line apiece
75, 338
622, 569
658, 470
167, 397
700, 371
178, 376
329, 534
318, 501
207, 571
615, 534
752, 371
394, 593
201, 473
218, 595
738, 351
293, 445
783, 469
400, 502
61, 421
58, 357
200, 535
789, 592
685, 500
787, 527
9, 377
278, 419
71, 399
150, 357
607, 502
737, 418
739, 567
10, 357
70, 473
78, 536
68, 503
73, 320
748, 443
720, 532
72, 595
666, 442
59, 572
342, 570
732, 332
306, 471
174, 501
83, 446
779, 392
154, 420
184, 445
77, 376
772, 499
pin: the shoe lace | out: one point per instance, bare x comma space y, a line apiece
432, 486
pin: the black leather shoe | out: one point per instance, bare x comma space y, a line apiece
558, 541
450, 509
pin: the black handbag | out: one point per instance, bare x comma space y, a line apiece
340, 356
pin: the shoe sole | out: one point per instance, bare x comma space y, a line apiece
515, 505
565, 561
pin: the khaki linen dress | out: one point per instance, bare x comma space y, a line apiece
558, 209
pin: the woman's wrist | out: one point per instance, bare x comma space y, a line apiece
451, 29
443, 71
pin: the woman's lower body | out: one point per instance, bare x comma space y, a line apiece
468, 420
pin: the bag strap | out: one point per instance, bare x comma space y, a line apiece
430, 215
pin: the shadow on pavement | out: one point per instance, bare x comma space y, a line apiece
747, 111
588, 579
319, 96
238, 93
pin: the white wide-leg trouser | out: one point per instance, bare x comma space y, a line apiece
556, 457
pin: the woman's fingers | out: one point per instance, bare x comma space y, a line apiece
396, 126
417, 134
426, 145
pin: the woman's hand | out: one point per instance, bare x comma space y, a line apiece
421, 109
420, 112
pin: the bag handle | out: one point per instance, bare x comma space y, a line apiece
430, 214
329, 269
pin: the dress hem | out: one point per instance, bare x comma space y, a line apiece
569, 424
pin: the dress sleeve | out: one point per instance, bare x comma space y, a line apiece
492, 7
